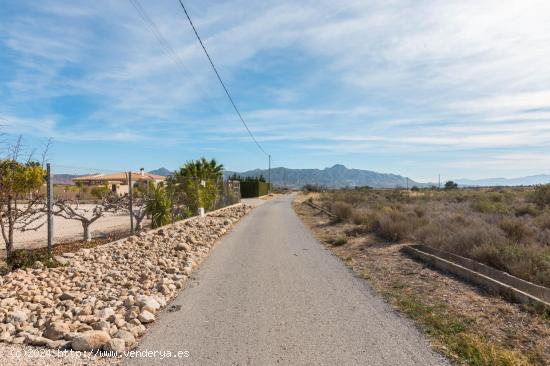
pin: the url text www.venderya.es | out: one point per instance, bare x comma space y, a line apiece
144, 353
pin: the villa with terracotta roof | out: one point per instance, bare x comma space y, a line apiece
118, 182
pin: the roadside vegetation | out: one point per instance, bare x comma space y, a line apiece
505, 228
198, 183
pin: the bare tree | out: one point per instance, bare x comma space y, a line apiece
73, 211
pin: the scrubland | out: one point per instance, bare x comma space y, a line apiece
506, 228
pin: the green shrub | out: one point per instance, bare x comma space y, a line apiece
23, 258
158, 206
100, 192
525, 262
541, 195
451, 185
340, 240
526, 209
489, 206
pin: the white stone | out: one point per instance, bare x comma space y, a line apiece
91, 340
17, 316
105, 313
56, 331
146, 317
115, 345
148, 303
127, 336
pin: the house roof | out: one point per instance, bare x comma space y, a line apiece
119, 177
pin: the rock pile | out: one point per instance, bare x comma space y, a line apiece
104, 296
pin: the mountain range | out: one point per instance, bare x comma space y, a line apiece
337, 176
161, 171
520, 181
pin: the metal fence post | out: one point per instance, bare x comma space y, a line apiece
131, 197
197, 200
49, 202
171, 188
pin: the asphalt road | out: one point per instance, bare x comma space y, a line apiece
270, 294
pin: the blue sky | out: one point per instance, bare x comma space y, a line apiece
417, 88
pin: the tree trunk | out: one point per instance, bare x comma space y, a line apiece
11, 223
87, 232
138, 224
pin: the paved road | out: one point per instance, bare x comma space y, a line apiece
270, 294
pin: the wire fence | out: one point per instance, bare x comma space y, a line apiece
82, 204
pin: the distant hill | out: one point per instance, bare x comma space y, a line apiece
337, 176
161, 171
520, 181
63, 178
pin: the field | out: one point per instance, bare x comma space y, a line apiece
508, 229
463, 322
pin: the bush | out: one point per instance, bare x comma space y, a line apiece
420, 211
543, 221
158, 207
100, 192
516, 230
526, 209
342, 210
340, 240
490, 206
541, 195
395, 226
458, 234
312, 188
451, 185
525, 262
23, 258
360, 216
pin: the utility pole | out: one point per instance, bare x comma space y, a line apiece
269, 176
407, 181
439, 180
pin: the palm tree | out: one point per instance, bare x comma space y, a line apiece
197, 181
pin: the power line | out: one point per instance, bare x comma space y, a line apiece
165, 44
220, 79
157, 34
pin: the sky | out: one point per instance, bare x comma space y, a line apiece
417, 88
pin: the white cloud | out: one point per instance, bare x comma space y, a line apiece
394, 76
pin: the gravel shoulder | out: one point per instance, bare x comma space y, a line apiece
270, 294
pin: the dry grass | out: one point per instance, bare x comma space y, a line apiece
508, 229
462, 322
